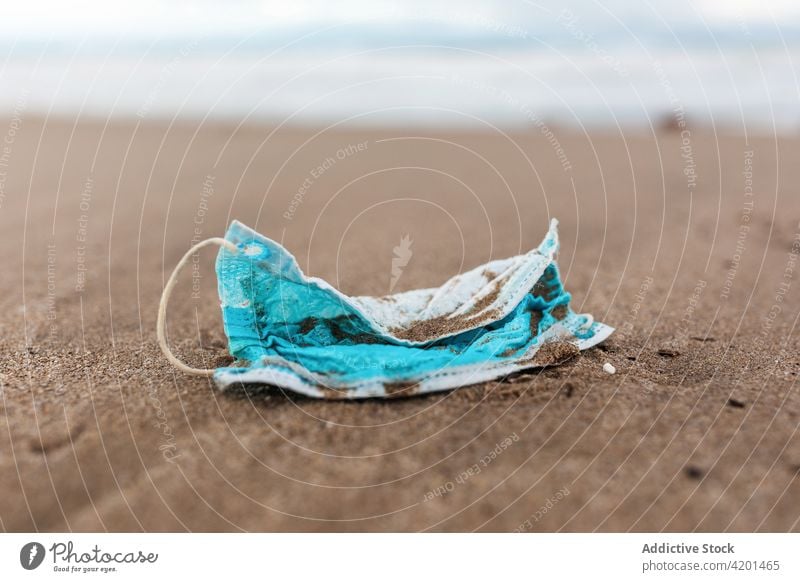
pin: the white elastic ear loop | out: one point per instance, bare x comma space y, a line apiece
162, 306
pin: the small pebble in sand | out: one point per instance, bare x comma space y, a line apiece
608, 368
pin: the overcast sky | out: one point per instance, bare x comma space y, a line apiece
48, 19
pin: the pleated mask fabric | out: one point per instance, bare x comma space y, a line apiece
301, 334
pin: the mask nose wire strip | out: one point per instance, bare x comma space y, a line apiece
162, 306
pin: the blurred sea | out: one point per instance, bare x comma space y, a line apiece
732, 65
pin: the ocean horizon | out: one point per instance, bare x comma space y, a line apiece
575, 65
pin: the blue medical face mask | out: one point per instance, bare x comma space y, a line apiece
301, 334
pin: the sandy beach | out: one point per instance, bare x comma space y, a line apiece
686, 242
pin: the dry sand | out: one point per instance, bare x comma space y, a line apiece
697, 430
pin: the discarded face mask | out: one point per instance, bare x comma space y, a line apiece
301, 334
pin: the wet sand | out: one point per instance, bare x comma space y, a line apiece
688, 246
